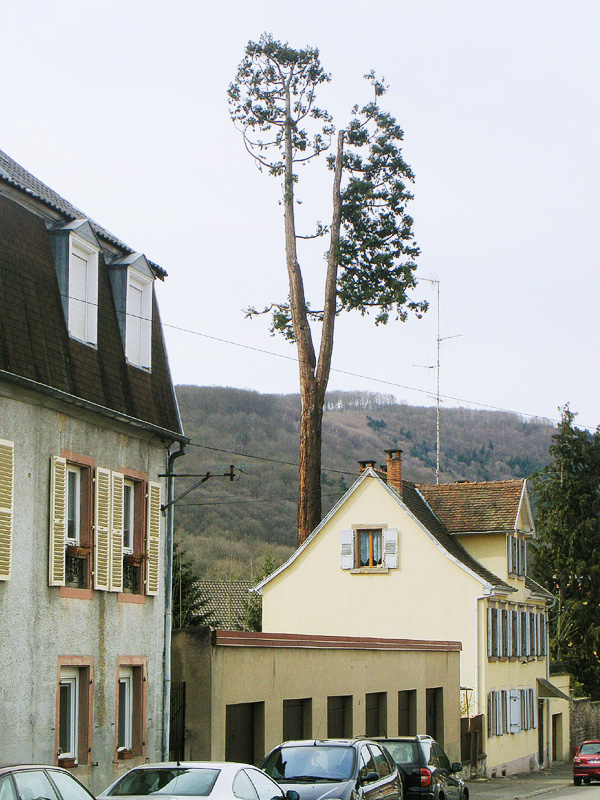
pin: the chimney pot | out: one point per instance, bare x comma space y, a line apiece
365, 464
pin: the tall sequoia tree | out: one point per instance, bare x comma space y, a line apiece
370, 260
567, 559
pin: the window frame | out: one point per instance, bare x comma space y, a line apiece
132, 669
134, 560
78, 671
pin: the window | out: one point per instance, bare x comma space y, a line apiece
131, 705
138, 335
366, 549
83, 290
128, 516
124, 726
74, 711
7, 469
68, 716
70, 521
511, 711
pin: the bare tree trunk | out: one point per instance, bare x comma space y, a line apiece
313, 377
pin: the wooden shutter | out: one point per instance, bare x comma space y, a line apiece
58, 521
490, 636
102, 529
7, 488
509, 542
390, 548
346, 549
153, 538
116, 533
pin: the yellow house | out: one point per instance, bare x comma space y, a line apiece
443, 562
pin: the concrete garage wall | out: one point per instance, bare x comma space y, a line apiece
38, 626
223, 669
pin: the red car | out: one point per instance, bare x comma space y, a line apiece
586, 762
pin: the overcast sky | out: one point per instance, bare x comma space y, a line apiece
121, 107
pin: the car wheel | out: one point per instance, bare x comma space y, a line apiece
577, 780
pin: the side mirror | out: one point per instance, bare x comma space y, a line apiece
292, 794
369, 777
457, 767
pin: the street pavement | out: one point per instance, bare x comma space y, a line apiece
527, 784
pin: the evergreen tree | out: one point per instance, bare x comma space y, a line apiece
567, 558
371, 255
189, 604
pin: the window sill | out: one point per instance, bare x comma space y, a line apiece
124, 755
75, 594
370, 571
126, 597
67, 762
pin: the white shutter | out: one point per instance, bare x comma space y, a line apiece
346, 549
78, 283
135, 310
533, 708
58, 521
509, 633
102, 529
390, 548
7, 488
515, 711
153, 538
498, 713
489, 633
116, 536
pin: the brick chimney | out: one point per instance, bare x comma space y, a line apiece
394, 469
363, 465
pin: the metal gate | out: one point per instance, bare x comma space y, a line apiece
177, 729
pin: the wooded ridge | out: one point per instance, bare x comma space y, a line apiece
228, 528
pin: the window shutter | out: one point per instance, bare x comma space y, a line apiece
78, 282
58, 521
510, 554
102, 529
7, 484
489, 633
116, 537
498, 713
491, 704
153, 538
346, 549
515, 711
390, 548
533, 708
509, 633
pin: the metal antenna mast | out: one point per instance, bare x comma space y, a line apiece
439, 339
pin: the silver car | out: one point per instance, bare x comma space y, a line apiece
215, 780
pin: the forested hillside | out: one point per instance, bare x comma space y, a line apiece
228, 528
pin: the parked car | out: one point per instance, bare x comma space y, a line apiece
217, 780
425, 769
335, 769
27, 782
586, 762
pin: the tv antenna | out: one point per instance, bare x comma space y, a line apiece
436, 367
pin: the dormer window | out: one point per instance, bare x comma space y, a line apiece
83, 291
139, 320
76, 250
132, 279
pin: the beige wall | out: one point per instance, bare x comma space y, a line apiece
427, 597
217, 676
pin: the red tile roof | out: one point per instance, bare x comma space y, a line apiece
475, 507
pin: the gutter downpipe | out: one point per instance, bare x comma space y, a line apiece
169, 599
548, 720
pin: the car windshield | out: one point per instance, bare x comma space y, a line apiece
403, 752
318, 763
590, 749
163, 781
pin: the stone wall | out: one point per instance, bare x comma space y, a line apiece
585, 720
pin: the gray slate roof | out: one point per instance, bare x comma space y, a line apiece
227, 602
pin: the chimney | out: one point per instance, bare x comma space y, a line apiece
364, 465
394, 469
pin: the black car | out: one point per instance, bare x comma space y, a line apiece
27, 782
335, 769
425, 769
